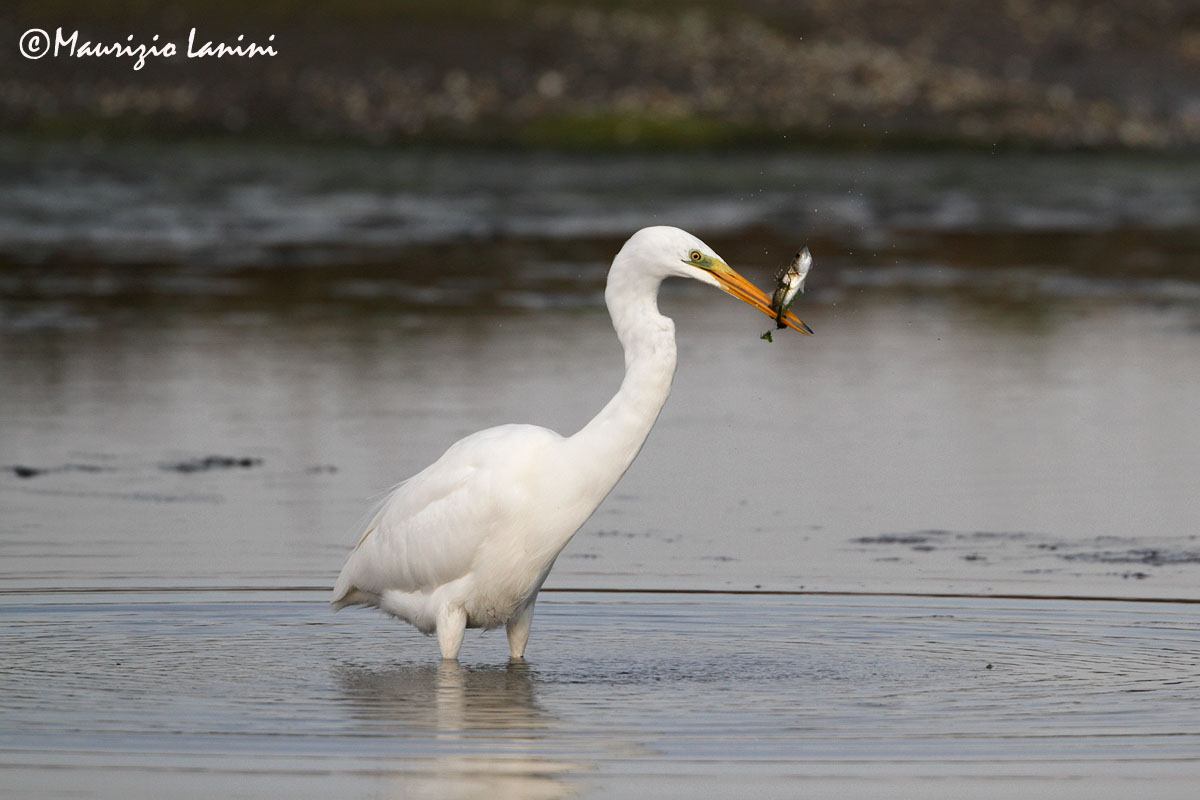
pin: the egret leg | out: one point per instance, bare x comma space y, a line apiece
518, 630
451, 625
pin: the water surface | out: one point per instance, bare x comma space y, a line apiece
212, 359
267, 693
915, 443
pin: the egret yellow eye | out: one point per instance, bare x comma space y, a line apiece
695, 256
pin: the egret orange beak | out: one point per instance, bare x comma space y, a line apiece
747, 292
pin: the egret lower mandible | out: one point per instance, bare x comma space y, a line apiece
468, 541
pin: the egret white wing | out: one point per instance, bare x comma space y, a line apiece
430, 528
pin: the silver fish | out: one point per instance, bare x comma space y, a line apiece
790, 282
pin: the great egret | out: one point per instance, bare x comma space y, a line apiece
468, 541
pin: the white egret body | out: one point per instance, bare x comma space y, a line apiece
468, 542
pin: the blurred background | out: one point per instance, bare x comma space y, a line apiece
240, 296
1064, 74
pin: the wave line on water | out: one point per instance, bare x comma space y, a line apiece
70, 590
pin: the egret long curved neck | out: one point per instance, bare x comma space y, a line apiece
615, 436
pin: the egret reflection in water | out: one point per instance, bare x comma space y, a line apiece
488, 735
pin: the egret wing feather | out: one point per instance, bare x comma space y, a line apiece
429, 529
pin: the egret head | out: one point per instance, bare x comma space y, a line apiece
678, 253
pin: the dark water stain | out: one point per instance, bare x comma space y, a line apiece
1152, 557
207, 463
989, 548
926, 540
26, 471
921, 537
136, 497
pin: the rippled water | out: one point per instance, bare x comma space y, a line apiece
211, 360
268, 692
234, 206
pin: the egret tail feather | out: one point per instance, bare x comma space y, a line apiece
354, 597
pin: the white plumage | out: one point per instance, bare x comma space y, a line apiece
468, 541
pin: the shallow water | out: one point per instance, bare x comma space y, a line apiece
211, 360
267, 692
915, 445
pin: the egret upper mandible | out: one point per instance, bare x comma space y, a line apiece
468, 541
